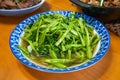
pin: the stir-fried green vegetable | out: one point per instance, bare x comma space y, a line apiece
59, 41
101, 2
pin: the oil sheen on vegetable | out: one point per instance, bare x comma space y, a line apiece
57, 41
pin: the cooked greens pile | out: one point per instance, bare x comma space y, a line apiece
59, 41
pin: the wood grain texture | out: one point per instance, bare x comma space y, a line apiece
11, 69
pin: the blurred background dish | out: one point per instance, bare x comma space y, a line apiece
105, 14
20, 9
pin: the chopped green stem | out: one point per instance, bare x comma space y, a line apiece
62, 38
63, 61
101, 2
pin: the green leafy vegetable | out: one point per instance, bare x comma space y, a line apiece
59, 41
101, 2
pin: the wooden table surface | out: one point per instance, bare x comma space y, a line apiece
11, 69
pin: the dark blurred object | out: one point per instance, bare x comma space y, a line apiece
114, 26
104, 14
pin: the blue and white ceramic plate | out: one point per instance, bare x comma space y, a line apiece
98, 26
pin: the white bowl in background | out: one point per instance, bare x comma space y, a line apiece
19, 12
